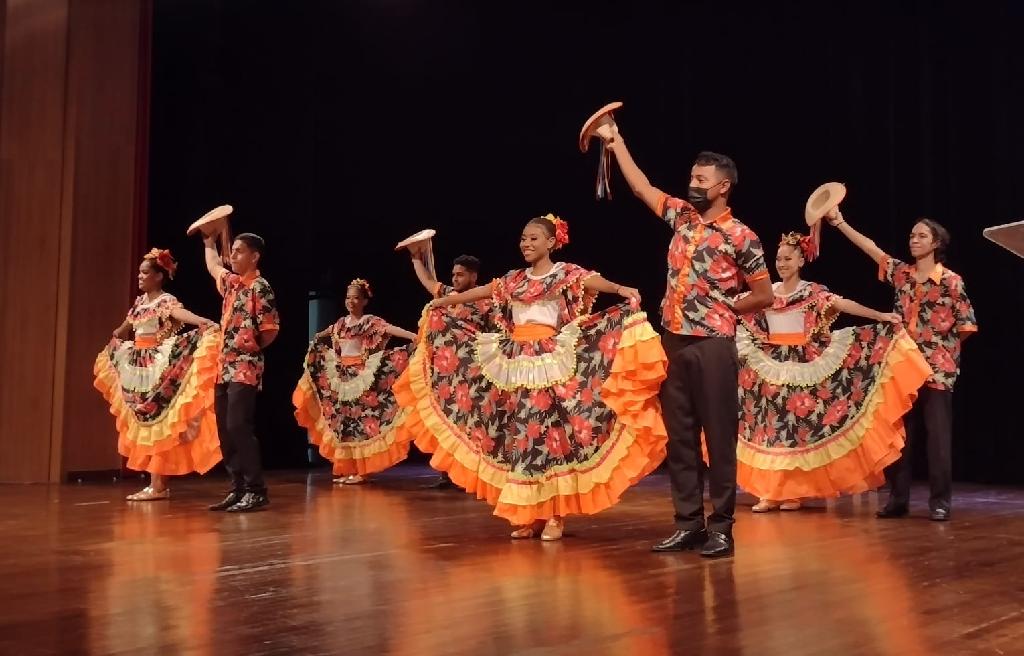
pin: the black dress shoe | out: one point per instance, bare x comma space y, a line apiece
442, 483
719, 545
892, 512
233, 497
939, 515
252, 501
683, 541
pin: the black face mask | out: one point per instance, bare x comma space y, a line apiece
698, 197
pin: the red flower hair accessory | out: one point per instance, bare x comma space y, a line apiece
807, 244
163, 259
561, 230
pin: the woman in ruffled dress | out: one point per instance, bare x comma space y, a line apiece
821, 411
159, 383
554, 414
345, 398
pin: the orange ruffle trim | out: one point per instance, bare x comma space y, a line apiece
876, 437
362, 458
635, 448
163, 447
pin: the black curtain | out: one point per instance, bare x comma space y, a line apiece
338, 128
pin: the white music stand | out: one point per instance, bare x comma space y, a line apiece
1010, 236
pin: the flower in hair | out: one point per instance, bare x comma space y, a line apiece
164, 260
561, 230
808, 247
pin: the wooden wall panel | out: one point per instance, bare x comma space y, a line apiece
100, 162
72, 140
31, 170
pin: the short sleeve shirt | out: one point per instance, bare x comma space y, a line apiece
249, 309
937, 313
709, 263
478, 313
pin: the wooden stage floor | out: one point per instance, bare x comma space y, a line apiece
390, 568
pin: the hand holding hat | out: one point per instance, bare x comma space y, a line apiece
212, 225
834, 216
823, 200
420, 248
600, 124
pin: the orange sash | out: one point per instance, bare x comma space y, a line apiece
532, 332
146, 341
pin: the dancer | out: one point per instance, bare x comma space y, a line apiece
711, 256
159, 383
555, 413
344, 398
465, 271
821, 413
250, 324
933, 303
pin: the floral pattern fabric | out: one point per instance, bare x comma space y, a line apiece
806, 407
249, 308
348, 403
708, 264
150, 377
160, 389
937, 313
531, 448
479, 313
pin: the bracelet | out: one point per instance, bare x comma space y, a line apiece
838, 223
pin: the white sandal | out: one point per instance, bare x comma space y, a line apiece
149, 494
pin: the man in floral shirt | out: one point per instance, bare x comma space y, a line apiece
938, 314
712, 257
249, 323
465, 271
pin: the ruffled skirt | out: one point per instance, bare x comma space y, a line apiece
349, 408
824, 418
162, 401
538, 423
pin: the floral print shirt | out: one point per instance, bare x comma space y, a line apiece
937, 312
478, 313
249, 309
708, 264
564, 284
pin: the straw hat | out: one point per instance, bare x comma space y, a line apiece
599, 118
822, 201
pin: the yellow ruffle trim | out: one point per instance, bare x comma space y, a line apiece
802, 374
353, 388
853, 462
529, 371
635, 447
356, 457
184, 438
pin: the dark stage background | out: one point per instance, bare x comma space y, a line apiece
338, 128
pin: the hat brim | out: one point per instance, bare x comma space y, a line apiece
822, 200
590, 126
1010, 236
209, 222
422, 235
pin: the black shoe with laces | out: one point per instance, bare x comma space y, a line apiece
250, 502
682, 541
719, 545
233, 497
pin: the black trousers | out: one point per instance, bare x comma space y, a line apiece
931, 421
701, 393
235, 405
